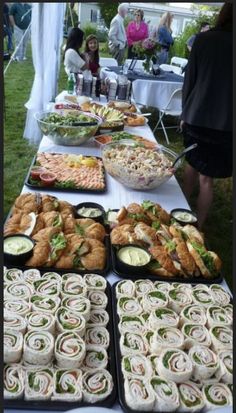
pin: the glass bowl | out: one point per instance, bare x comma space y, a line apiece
137, 167
67, 135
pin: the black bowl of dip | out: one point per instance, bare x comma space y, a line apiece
132, 258
17, 248
90, 210
184, 216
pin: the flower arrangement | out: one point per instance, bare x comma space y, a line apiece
146, 49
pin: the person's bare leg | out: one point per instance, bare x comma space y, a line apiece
189, 180
205, 198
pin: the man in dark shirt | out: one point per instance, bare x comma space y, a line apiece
7, 27
20, 18
203, 28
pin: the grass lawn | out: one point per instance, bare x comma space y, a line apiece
18, 155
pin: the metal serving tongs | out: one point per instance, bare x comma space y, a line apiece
190, 148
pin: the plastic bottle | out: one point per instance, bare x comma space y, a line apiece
70, 84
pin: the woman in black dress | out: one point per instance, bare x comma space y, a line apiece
207, 111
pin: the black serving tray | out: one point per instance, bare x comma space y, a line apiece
144, 275
53, 188
63, 405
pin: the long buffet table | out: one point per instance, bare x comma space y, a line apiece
169, 195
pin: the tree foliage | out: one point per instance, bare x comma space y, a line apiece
108, 11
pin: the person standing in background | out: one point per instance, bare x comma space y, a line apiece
74, 61
117, 34
164, 37
20, 18
7, 27
203, 28
136, 30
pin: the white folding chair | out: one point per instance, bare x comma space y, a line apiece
179, 61
107, 61
173, 108
171, 68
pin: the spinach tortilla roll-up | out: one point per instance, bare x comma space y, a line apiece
131, 323
13, 346
96, 358
216, 395
31, 275
225, 372
13, 378
96, 385
95, 282
77, 304
125, 288
67, 385
162, 286
68, 320
98, 336
98, 317
19, 289
136, 366
174, 365
193, 313
139, 394
179, 299
165, 337
163, 317
128, 306
190, 397
69, 350
53, 276
39, 383
205, 362
38, 347
45, 304
143, 287
13, 321
37, 320
16, 305
182, 287
202, 296
229, 310
220, 296
133, 343
45, 286
222, 338
98, 299
12, 275
217, 315
166, 394
72, 288
154, 299
196, 334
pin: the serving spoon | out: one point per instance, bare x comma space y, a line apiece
190, 148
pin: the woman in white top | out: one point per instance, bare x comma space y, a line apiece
73, 61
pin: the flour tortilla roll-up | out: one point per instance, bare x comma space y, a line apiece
154, 299
179, 299
229, 310
96, 385
13, 321
38, 347
190, 397
129, 306
162, 286
125, 288
222, 338
202, 296
163, 317
217, 315
37, 320
98, 317
17, 306
143, 287
225, 372
154, 359
166, 394
72, 287
95, 282
165, 337
68, 385
98, 336
182, 287
69, 350
45, 304
47, 287
98, 299
19, 290
73, 276
131, 323
196, 334
216, 395
12, 275
139, 394
136, 366
68, 320
174, 365
31, 275
13, 378
52, 276
39, 384
193, 313
13, 346
78, 304
220, 296
131, 343
96, 358
205, 362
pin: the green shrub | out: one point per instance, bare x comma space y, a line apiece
89, 28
